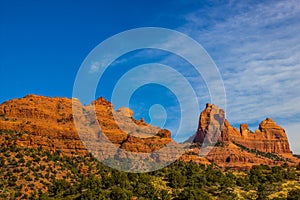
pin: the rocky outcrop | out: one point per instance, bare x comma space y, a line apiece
125, 112
227, 146
269, 137
210, 126
49, 123
46, 122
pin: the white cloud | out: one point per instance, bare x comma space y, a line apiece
257, 49
94, 67
293, 138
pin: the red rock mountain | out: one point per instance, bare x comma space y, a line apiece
241, 148
49, 123
269, 137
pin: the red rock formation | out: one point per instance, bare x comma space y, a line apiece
48, 122
213, 126
268, 138
241, 148
210, 126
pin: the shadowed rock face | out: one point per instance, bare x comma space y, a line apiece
213, 127
211, 124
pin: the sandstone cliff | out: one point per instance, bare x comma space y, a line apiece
269, 137
241, 148
49, 123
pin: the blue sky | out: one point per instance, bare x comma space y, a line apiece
255, 44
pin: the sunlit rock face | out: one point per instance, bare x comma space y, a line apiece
213, 127
49, 123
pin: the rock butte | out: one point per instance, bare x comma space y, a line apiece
269, 137
49, 123
241, 148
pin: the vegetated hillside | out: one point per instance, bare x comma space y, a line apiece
42, 156
35, 173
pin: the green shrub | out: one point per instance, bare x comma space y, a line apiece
294, 194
